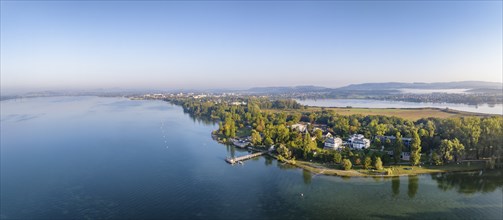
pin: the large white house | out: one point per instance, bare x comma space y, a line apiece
358, 141
299, 127
333, 143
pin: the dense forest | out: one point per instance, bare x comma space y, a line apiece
434, 140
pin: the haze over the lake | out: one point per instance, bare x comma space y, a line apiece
136, 44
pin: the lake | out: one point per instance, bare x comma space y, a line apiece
114, 158
371, 103
430, 91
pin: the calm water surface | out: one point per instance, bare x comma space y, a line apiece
430, 91
370, 103
112, 158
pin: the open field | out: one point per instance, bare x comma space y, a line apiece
406, 113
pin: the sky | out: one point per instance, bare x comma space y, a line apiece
225, 44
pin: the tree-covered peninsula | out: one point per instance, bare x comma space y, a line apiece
298, 135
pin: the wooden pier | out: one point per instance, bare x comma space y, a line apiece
246, 157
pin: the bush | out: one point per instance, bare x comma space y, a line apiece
337, 157
367, 163
389, 171
358, 161
346, 164
378, 164
436, 159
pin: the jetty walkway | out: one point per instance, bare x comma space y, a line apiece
246, 157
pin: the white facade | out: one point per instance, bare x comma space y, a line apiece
299, 127
358, 141
405, 156
238, 103
328, 135
333, 143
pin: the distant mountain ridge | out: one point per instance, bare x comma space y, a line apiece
388, 86
437, 85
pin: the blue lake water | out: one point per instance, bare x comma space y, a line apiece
370, 103
114, 158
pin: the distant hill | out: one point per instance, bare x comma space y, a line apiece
477, 92
470, 85
285, 89
387, 87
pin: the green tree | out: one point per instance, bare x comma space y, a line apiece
295, 117
354, 125
488, 137
367, 163
284, 152
282, 134
337, 157
256, 139
472, 130
341, 125
268, 141
378, 164
307, 145
415, 148
229, 127
381, 129
436, 158
446, 150
306, 139
398, 147
318, 134
458, 149
220, 128
346, 164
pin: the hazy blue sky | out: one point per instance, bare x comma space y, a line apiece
156, 44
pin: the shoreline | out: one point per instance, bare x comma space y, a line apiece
320, 170
333, 169
397, 170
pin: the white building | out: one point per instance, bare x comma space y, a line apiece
333, 143
358, 141
328, 135
299, 127
238, 103
405, 156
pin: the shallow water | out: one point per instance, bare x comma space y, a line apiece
113, 158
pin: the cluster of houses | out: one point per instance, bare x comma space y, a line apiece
355, 141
